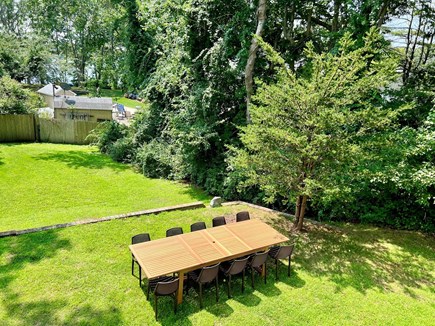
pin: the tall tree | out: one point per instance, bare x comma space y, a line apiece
305, 130
249, 70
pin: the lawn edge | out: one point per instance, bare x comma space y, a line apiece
194, 205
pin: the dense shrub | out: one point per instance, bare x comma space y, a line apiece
111, 138
14, 99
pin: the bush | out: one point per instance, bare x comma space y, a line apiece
14, 99
113, 139
156, 159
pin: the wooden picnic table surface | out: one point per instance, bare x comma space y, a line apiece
185, 252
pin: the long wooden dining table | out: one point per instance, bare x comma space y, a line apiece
186, 252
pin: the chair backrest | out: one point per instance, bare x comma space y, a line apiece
208, 273
218, 221
174, 231
165, 288
242, 216
284, 251
259, 258
237, 266
138, 238
197, 226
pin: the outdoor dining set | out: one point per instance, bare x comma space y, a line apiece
180, 261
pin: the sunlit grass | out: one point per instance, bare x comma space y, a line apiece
43, 184
348, 275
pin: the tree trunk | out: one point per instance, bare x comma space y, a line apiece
249, 70
382, 13
301, 205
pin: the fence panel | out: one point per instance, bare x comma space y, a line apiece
17, 128
65, 131
82, 130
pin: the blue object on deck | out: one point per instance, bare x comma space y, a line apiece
121, 108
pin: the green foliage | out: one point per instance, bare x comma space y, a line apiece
306, 130
14, 99
157, 159
106, 135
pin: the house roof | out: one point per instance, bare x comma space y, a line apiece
58, 91
62, 92
48, 89
84, 103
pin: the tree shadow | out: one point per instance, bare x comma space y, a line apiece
79, 159
44, 312
25, 249
367, 257
19, 251
195, 192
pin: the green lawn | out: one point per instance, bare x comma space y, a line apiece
352, 275
118, 97
43, 184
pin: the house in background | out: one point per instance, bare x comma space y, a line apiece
94, 109
50, 91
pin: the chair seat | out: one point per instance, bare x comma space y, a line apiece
273, 251
225, 266
193, 275
153, 282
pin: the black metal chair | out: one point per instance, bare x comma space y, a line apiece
174, 231
197, 226
281, 252
218, 221
242, 216
138, 238
165, 286
206, 275
232, 268
257, 263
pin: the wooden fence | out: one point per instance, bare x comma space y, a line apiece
65, 131
18, 128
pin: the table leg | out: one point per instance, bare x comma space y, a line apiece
180, 287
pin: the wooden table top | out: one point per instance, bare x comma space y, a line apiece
193, 250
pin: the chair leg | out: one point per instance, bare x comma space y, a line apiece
140, 276
155, 303
148, 291
252, 277
276, 269
132, 266
289, 261
229, 286
243, 281
200, 295
265, 273
175, 302
217, 290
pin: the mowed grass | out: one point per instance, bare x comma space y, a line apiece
349, 275
118, 97
44, 184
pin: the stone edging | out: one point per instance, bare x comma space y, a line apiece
269, 210
103, 219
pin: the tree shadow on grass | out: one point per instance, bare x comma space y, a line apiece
49, 312
365, 257
79, 159
26, 249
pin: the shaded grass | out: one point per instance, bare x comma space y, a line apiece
43, 184
348, 275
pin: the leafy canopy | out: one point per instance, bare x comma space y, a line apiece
308, 128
